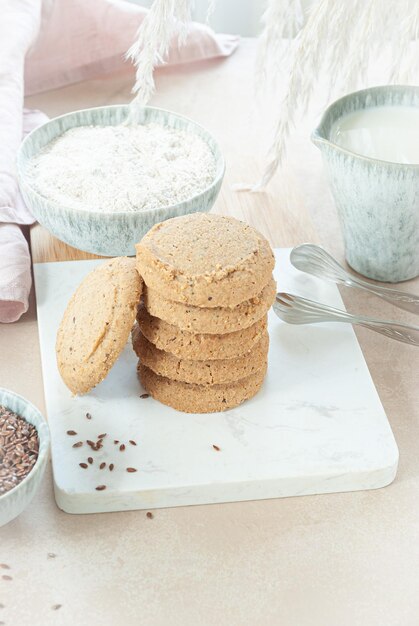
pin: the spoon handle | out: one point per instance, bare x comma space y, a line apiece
402, 333
297, 310
406, 301
314, 260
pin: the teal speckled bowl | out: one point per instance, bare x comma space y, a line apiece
108, 234
16, 500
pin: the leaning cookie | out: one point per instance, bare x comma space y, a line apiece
218, 320
97, 323
198, 346
191, 398
205, 260
201, 372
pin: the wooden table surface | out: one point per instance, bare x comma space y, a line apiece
350, 559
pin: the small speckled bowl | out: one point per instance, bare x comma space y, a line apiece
108, 234
16, 500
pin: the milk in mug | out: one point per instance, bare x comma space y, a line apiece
389, 133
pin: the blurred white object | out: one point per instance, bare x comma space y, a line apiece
239, 17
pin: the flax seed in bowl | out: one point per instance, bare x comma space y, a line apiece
24, 444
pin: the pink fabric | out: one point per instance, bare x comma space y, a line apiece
82, 39
54, 43
15, 273
15, 258
17, 212
19, 27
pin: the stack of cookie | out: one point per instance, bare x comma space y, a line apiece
201, 333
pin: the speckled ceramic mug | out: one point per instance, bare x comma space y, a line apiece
377, 201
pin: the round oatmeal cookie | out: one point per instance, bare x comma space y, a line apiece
97, 323
219, 320
197, 346
191, 398
205, 260
201, 372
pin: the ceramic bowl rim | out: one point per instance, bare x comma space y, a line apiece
43, 436
319, 138
108, 215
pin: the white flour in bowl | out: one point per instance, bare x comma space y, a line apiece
122, 168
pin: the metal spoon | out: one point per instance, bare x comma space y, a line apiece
315, 260
297, 310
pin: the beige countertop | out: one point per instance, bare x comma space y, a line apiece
350, 559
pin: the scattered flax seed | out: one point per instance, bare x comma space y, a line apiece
90, 460
51, 555
150, 515
83, 465
131, 469
122, 447
132, 442
111, 466
116, 440
92, 444
216, 447
100, 487
102, 465
71, 433
4, 566
78, 444
19, 446
102, 436
7, 577
55, 607
144, 396
88, 416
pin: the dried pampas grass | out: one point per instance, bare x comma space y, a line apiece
165, 20
336, 40
288, 18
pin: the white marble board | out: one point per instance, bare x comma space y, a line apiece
317, 426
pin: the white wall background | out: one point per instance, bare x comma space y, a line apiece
238, 17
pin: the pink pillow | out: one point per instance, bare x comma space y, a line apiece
82, 39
